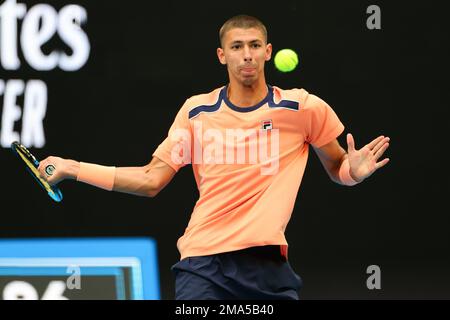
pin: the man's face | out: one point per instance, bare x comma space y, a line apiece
244, 51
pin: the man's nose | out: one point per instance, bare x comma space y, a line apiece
247, 54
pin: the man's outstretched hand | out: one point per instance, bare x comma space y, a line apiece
364, 162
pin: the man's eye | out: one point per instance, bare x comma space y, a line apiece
236, 46
256, 45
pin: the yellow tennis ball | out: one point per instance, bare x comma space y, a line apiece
286, 60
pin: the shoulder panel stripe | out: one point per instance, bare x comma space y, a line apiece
285, 104
207, 108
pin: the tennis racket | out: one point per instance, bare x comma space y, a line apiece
32, 164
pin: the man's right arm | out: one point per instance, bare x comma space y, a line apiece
146, 180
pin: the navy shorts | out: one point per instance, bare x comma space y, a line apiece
256, 273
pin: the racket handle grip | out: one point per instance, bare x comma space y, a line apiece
97, 175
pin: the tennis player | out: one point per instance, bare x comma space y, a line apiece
234, 246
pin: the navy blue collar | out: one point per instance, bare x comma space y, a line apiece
246, 109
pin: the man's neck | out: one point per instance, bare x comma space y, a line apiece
246, 96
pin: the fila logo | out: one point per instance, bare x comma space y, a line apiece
267, 124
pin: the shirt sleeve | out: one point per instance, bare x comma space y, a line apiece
322, 124
175, 150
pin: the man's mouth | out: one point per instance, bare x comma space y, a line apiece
248, 69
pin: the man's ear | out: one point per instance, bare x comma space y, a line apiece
221, 56
268, 51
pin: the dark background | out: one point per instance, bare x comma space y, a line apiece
147, 58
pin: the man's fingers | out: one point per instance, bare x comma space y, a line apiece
41, 169
381, 150
380, 144
350, 143
374, 142
382, 163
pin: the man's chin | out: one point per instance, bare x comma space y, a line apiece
249, 81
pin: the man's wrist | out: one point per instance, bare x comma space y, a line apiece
345, 174
73, 168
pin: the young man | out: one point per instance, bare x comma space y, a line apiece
248, 144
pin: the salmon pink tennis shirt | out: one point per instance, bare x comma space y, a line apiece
248, 164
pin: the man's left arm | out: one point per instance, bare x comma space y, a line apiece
352, 166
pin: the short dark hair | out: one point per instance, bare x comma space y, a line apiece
242, 21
